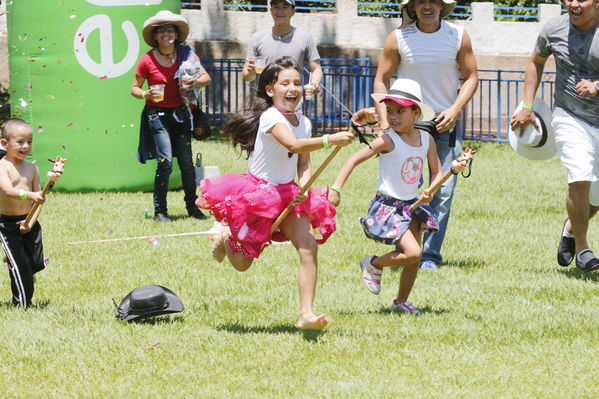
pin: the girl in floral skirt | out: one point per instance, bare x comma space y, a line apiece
403, 151
278, 143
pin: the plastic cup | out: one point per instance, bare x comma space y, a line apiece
309, 92
159, 91
260, 64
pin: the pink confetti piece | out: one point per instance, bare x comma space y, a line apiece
110, 231
103, 77
40, 129
69, 124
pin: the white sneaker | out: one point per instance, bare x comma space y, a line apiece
371, 275
429, 265
404, 307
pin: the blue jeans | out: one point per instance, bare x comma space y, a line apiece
432, 242
171, 131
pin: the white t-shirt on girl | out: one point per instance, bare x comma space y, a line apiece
270, 161
400, 169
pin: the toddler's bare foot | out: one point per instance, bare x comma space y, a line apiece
218, 247
310, 321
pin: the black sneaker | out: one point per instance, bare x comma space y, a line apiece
587, 261
196, 213
566, 248
162, 218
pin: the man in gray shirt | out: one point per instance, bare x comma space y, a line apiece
573, 40
283, 40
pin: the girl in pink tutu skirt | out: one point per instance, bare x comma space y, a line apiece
278, 143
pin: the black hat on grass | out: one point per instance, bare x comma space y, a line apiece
147, 301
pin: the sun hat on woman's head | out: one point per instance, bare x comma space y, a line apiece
165, 17
406, 18
406, 92
536, 142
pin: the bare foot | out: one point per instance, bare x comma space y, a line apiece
312, 322
218, 247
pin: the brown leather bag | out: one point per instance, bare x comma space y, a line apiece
201, 127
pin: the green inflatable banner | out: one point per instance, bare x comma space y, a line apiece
72, 63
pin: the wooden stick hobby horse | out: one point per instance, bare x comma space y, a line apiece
53, 176
457, 166
362, 117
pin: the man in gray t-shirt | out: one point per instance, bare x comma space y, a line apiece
573, 40
283, 40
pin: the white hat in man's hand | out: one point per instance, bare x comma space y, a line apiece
537, 142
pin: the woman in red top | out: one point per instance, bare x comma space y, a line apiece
165, 129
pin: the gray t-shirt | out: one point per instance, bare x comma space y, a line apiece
298, 45
576, 54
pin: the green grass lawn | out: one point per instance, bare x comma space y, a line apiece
500, 319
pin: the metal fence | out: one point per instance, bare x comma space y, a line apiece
347, 85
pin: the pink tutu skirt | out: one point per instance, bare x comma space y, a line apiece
250, 206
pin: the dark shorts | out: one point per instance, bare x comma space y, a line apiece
25, 256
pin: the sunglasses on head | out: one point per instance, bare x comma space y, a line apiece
168, 30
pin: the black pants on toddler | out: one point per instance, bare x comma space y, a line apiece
25, 255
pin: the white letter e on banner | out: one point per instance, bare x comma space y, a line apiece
106, 67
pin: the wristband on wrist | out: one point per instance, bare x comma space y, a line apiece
336, 188
325, 141
527, 106
23, 195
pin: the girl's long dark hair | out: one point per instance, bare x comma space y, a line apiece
243, 128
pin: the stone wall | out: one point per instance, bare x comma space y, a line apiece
497, 45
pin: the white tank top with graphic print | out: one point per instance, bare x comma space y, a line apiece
400, 169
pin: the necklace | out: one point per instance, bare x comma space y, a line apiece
280, 37
168, 55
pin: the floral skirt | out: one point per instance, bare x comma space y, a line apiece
249, 206
389, 218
